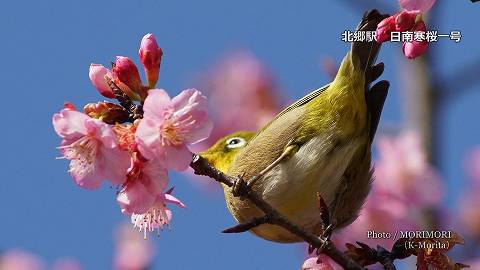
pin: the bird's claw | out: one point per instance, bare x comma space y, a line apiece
325, 237
238, 185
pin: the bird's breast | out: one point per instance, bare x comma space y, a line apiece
291, 186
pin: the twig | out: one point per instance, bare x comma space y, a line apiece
135, 110
202, 167
386, 258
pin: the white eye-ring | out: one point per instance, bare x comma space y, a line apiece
235, 142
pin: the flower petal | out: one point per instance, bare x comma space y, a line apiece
200, 130
148, 138
169, 198
177, 157
69, 124
156, 104
154, 176
191, 108
88, 178
421, 5
115, 164
414, 49
97, 74
384, 28
190, 97
135, 199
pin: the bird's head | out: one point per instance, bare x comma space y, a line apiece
223, 152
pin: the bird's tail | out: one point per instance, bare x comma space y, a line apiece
358, 71
364, 53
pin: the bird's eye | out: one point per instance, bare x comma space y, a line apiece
235, 142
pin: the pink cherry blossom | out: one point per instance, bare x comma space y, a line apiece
132, 252
20, 260
91, 147
469, 216
420, 5
402, 21
402, 168
157, 216
472, 165
415, 48
170, 125
145, 181
239, 83
382, 212
384, 28
97, 74
150, 56
317, 263
405, 20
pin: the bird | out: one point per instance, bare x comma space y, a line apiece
320, 143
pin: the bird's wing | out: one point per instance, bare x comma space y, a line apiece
268, 144
299, 103
304, 100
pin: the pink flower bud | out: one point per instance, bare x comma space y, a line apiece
125, 71
69, 106
97, 76
414, 49
384, 28
150, 56
405, 20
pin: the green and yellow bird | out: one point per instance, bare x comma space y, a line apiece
321, 143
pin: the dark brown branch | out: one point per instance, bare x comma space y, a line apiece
202, 167
386, 258
135, 110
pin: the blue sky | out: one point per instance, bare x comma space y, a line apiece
47, 46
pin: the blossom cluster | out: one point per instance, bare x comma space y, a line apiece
105, 142
408, 20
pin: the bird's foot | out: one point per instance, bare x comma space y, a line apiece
239, 186
325, 237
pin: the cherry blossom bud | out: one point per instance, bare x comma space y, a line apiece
69, 106
107, 112
126, 72
405, 20
414, 49
97, 75
150, 56
384, 28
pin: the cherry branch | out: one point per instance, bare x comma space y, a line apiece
135, 110
272, 216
